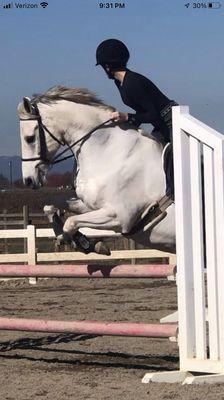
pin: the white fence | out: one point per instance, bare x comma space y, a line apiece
32, 257
199, 202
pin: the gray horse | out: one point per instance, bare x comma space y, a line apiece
119, 169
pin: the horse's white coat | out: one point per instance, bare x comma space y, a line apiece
119, 170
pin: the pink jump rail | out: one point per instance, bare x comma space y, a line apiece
90, 327
88, 271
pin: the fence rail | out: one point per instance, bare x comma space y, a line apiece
32, 256
21, 219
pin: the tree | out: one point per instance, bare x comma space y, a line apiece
4, 182
56, 179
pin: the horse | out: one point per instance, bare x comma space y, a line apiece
119, 168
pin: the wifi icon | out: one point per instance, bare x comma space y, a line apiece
44, 4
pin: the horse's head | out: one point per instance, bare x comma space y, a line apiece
38, 144
59, 116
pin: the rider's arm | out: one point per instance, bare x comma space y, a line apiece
142, 118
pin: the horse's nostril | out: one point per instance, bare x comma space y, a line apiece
28, 181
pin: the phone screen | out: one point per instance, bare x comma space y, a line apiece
86, 99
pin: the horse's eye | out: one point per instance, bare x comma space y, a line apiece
30, 139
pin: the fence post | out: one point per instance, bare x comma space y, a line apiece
25, 223
132, 246
5, 227
31, 249
173, 259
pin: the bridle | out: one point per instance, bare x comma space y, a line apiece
43, 158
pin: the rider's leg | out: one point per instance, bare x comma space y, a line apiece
168, 167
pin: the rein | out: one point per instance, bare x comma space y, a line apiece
43, 147
84, 138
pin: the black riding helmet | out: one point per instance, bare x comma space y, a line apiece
112, 52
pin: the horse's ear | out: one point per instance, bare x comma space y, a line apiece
28, 105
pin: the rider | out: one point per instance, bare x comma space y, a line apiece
139, 93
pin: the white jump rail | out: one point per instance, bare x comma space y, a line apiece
199, 203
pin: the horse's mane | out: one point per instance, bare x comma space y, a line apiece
76, 95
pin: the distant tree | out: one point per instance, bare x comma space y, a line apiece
67, 178
57, 180
4, 182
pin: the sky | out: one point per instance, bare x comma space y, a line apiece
179, 48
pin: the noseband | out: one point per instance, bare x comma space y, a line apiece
43, 158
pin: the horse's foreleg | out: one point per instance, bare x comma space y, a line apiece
77, 206
104, 218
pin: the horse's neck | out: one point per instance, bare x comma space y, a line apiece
81, 119
107, 146
71, 121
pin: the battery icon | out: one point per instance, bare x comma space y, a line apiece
215, 4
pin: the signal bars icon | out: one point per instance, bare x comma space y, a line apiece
10, 5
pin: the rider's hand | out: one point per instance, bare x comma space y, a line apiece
119, 117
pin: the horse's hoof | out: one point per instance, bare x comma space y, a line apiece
101, 248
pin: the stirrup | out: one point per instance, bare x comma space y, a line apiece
152, 215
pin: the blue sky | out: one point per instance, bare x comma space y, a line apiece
180, 49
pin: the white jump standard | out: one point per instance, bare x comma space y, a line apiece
199, 203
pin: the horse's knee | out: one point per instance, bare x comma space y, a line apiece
77, 206
70, 225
